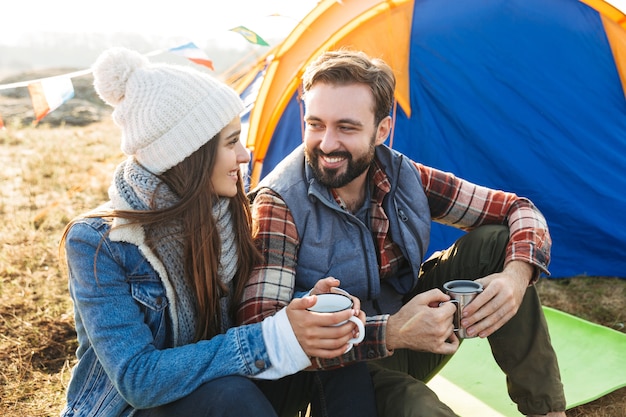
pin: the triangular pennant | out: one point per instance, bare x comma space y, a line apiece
249, 35
48, 94
194, 54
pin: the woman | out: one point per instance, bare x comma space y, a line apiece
153, 273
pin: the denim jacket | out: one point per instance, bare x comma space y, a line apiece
125, 360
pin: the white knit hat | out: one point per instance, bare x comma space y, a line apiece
166, 112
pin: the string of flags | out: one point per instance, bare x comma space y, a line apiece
48, 94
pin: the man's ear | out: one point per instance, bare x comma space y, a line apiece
383, 130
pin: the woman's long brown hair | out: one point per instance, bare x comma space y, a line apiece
191, 181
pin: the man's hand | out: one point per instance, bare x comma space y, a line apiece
325, 285
501, 298
317, 333
331, 284
423, 324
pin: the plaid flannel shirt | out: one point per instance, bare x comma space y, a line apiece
452, 201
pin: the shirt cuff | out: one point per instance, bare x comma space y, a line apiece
283, 349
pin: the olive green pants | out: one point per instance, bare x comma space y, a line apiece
522, 347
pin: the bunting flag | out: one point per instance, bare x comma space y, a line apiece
249, 35
194, 54
48, 94
1, 123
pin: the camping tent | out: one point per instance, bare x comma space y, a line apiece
522, 95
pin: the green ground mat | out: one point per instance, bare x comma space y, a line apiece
592, 359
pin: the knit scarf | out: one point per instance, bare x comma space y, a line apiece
135, 188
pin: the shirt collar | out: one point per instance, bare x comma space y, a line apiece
380, 181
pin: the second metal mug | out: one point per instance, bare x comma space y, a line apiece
462, 292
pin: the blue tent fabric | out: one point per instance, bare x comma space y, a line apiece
524, 96
287, 135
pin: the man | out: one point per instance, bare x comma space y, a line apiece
344, 205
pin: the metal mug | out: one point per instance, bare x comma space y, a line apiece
462, 292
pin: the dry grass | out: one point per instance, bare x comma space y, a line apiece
50, 175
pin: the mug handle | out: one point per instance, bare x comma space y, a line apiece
456, 313
359, 324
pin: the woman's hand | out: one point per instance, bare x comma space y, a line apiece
320, 334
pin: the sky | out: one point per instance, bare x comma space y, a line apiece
196, 20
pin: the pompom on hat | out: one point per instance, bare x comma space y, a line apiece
166, 112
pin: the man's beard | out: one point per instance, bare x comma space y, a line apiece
330, 177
